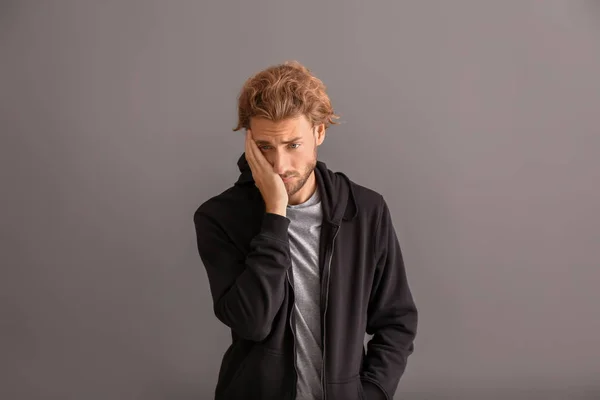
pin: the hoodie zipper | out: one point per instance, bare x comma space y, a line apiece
323, 378
293, 327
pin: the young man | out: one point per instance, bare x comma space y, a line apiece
301, 260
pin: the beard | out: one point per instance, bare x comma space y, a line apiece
293, 187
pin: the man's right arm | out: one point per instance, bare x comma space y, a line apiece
247, 290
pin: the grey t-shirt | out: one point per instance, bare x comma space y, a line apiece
304, 236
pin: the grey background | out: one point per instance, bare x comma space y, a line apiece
477, 120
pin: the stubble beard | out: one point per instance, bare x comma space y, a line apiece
292, 190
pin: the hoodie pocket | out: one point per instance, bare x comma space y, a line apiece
262, 375
349, 389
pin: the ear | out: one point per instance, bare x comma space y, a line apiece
320, 133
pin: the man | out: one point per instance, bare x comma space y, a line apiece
302, 261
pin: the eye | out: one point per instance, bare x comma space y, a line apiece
295, 144
264, 147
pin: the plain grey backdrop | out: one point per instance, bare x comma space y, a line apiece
477, 120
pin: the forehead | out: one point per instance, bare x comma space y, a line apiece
278, 131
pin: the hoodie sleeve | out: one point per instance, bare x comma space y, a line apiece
247, 290
391, 316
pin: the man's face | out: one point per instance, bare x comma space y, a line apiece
290, 146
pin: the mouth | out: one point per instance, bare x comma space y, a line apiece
288, 179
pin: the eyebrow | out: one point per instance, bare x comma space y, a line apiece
284, 142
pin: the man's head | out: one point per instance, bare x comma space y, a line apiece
288, 112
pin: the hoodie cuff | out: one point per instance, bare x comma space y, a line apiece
275, 226
372, 391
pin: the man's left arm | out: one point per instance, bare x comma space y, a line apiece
391, 316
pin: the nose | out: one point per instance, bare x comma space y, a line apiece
280, 162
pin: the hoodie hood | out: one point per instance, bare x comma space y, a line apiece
335, 189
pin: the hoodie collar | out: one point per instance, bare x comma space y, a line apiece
336, 192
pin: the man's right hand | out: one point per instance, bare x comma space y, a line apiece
268, 182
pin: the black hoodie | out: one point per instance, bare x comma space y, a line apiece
364, 288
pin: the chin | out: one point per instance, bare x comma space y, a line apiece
293, 190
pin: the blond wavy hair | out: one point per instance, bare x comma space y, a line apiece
283, 91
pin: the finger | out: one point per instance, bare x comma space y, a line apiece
249, 153
258, 157
255, 154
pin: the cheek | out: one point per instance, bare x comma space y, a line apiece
302, 160
307, 155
